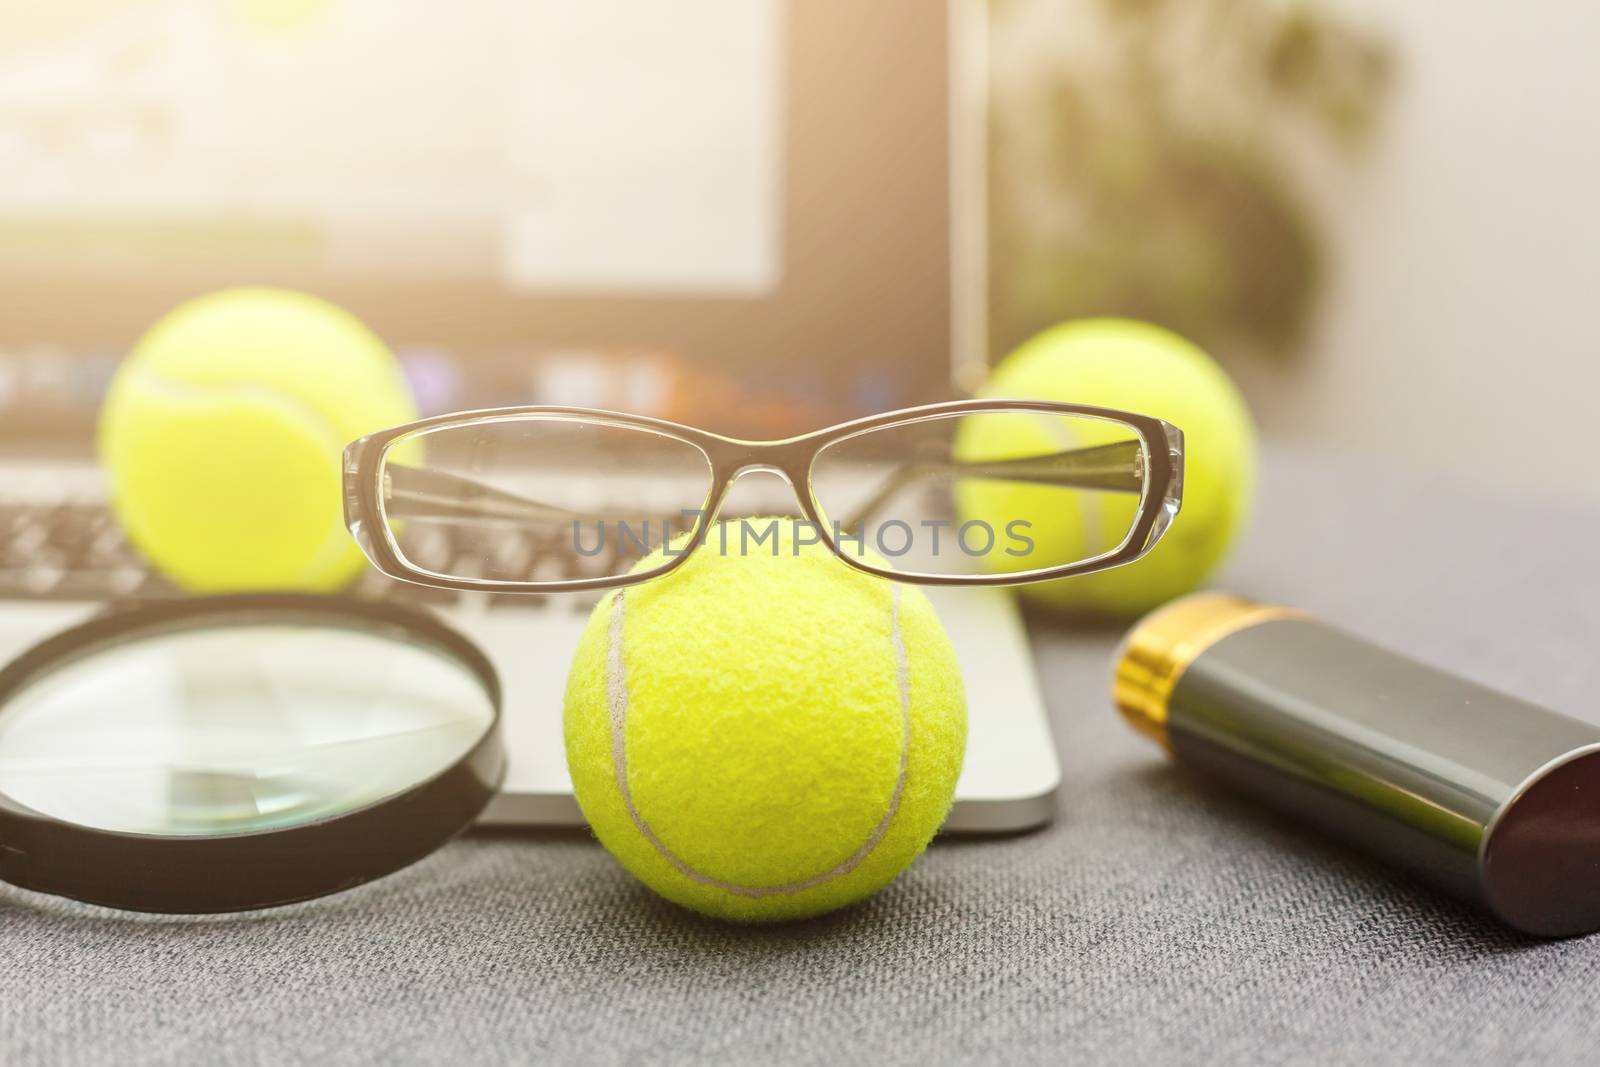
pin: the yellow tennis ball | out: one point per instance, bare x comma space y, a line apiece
221, 437
764, 733
1133, 366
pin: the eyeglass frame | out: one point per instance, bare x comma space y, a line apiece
793, 458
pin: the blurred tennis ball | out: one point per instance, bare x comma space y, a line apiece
764, 734
1138, 367
222, 432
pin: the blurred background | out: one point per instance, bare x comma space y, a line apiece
1375, 216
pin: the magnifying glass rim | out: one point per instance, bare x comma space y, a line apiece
208, 873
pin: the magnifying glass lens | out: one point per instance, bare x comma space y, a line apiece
237, 728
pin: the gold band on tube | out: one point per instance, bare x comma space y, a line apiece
1161, 646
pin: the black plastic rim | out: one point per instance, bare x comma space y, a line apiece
257, 869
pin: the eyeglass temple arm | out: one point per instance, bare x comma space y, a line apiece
411, 492
1114, 468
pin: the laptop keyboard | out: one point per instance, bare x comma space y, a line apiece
59, 541
76, 551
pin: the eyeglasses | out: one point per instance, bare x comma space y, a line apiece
552, 499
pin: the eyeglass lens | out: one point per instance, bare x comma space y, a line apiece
539, 499
1003, 491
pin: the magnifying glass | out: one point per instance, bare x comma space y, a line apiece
227, 753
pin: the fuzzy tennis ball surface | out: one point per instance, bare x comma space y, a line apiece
222, 432
1133, 366
764, 733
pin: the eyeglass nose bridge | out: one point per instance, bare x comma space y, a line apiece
783, 458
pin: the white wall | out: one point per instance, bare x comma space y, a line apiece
1461, 325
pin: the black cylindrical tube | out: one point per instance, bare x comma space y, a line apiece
1486, 796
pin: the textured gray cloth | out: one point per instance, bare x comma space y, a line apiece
1158, 920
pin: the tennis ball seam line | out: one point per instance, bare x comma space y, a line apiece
617, 707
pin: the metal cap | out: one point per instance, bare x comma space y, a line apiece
1156, 652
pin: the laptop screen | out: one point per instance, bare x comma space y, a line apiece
733, 212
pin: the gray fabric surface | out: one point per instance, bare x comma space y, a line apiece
1159, 920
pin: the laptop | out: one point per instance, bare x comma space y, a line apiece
756, 216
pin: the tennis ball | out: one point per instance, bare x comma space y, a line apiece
764, 733
1134, 366
221, 437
